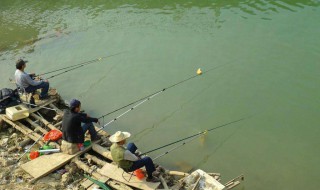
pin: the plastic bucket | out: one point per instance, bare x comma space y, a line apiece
139, 174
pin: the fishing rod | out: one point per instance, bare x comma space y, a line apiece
64, 72
174, 148
83, 63
196, 135
143, 101
35, 105
28, 149
160, 91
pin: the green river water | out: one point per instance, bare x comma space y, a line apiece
267, 54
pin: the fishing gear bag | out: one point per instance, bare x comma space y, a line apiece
8, 98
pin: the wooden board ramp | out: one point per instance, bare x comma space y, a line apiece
49, 163
116, 173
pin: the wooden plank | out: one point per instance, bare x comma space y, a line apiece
86, 184
46, 123
58, 124
42, 130
42, 104
56, 108
36, 126
95, 159
233, 184
102, 132
102, 151
93, 187
29, 131
89, 170
33, 124
24, 130
178, 173
196, 184
164, 183
116, 173
48, 163
100, 177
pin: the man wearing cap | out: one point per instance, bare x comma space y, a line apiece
72, 131
24, 80
125, 157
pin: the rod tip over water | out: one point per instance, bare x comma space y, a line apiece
199, 72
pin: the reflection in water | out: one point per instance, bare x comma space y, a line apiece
23, 23
215, 148
184, 166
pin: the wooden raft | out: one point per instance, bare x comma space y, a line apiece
116, 173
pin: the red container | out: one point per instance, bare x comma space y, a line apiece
34, 155
139, 174
53, 135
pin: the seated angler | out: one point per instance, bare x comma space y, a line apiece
74, 131
25, 81
125, 157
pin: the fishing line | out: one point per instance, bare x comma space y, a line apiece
64, 72
83, 64
196, 135
160, 91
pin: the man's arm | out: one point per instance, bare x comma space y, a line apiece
129, 156
85, 119
29, 80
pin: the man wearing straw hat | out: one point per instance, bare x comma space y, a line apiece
125, 157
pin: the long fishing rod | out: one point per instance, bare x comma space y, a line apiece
141, 101
146, 99
196, 135
64, 72
29, 149
174, 148
83, 63
35, 105
160, 91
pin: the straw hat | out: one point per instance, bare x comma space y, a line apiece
119, 136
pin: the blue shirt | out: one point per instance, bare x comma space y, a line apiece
24, 80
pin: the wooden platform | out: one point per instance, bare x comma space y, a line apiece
46, 164
113, 172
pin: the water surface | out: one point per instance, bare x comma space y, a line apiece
267, 54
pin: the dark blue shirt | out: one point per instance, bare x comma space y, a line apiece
71, 126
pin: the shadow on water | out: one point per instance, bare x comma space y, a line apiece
25, 22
